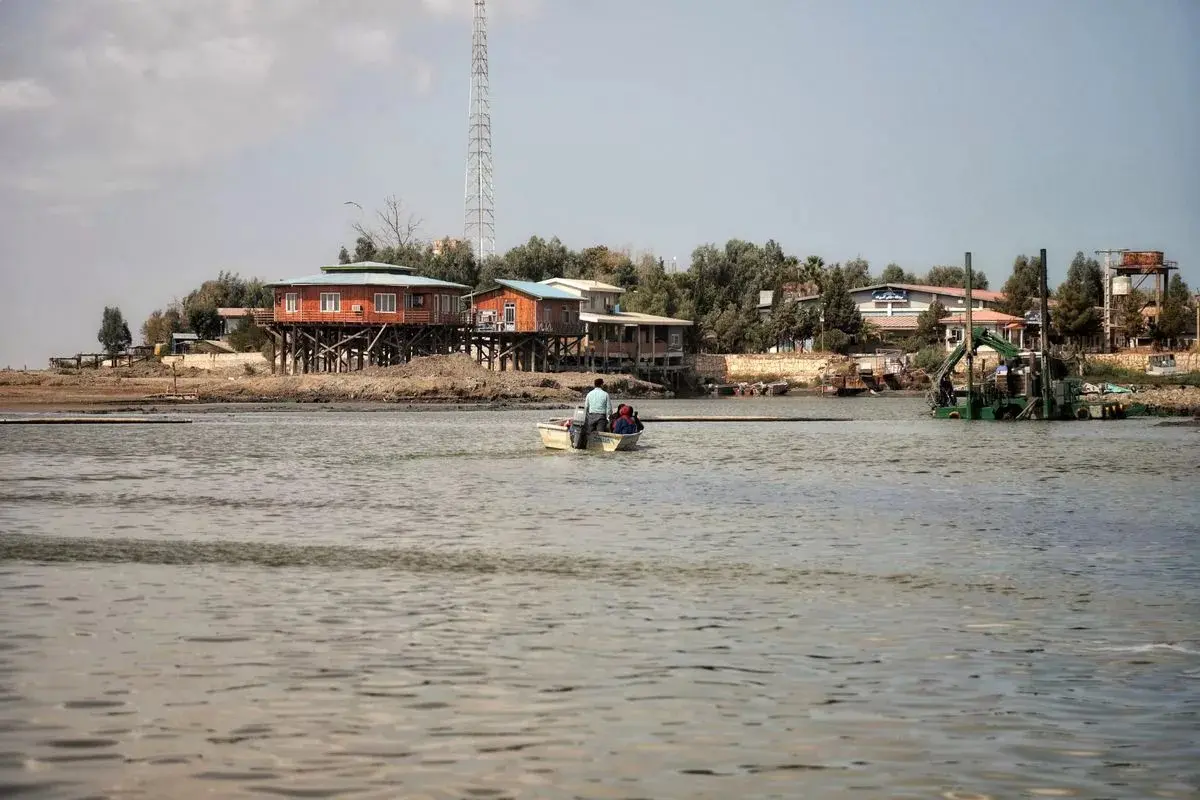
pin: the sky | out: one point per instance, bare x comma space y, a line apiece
145, 145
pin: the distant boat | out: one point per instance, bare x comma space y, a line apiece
841, 391
556, 435
774, 388
842, 386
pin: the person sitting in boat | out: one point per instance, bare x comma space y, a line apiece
625, 424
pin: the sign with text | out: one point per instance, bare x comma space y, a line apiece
890, 296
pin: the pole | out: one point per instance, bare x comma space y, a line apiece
969, 413
1045, 311
1107, 327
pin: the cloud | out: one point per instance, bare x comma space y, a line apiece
23, 94
114, 95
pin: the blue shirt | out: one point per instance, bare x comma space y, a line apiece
597, 402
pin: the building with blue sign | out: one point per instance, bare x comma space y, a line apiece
893, 308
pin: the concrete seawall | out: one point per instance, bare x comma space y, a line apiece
220, 362
808, 366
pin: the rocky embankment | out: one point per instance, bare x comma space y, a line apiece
1165, 400
438, 379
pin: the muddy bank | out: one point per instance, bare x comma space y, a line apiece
439, 380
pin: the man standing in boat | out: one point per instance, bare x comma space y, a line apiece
598, 407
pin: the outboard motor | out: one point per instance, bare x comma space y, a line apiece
579, 429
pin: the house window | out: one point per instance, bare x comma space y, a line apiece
566, 315
385, 303
414, 301
546, 315
291, 302
331, 302
675, 341
510, 313
447, 305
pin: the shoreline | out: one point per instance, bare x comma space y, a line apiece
134, 405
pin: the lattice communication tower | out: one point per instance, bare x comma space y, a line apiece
480, 229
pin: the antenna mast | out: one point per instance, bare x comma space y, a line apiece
480, 229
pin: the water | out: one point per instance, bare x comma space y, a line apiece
430, 605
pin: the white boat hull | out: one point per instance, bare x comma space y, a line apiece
558, 437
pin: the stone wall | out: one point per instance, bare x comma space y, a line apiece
220, 362
1187, 361
767, 366
808, 366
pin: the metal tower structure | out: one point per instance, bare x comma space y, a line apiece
480, 229
1108, 302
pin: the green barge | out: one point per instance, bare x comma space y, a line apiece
1013, 390
1024, 385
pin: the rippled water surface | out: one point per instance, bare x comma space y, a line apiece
431, 605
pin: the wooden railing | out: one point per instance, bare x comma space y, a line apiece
631, 350
558, 328
408, 316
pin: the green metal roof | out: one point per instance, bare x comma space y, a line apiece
539, 290
367, 266
368, 279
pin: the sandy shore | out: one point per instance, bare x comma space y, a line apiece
443, 381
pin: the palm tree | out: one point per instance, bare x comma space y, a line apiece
812, 273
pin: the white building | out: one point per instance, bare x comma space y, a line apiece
893, 308
617, 338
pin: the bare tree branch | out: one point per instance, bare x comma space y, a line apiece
397, 228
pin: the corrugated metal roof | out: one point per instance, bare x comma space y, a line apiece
367, 279
538, 290
980, 315
941, 291
584, 285
631, 318
899, 322
367, 266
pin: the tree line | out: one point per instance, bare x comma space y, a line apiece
720, 292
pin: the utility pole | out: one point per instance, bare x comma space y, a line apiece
1045, 311
1108, 309
480, 222
969, 413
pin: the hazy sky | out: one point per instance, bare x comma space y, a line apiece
144, 146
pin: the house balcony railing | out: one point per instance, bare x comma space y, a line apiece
486, 324
408, 316
631, 350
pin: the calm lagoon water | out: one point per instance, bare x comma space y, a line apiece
325, 604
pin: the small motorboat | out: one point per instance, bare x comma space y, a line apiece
556, 435
568, 434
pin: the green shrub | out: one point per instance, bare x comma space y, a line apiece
929, 358
833, 341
